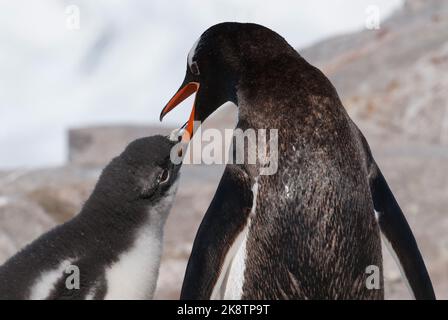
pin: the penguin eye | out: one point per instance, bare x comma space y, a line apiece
194, 68
163, 177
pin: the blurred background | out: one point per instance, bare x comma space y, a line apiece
81, 79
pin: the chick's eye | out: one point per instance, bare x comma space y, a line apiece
164, 176
194, 68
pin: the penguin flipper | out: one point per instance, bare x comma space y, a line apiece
399, 238
396, 232
224, 220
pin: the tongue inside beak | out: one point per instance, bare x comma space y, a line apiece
183, 93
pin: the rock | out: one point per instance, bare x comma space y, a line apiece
21, 221
96, 146
394, 77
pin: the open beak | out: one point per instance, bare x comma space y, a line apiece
183, 93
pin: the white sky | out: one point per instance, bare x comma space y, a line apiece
125, 61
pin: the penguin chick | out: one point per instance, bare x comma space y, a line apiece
112, 248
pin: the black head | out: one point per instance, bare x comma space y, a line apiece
219, 60
140, 177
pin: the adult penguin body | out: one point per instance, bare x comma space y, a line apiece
112, 248
309, 231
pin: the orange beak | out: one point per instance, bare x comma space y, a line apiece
180, 96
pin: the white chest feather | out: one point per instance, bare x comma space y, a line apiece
45, 284
134, 275
231, 279
235, 279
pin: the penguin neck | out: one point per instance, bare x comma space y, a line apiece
264, 88
113, 214
113, 229
109, 218
253, 113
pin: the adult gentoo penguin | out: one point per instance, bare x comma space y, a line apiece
311, 230
114, 243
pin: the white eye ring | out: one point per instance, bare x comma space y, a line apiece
164, 176
194, 68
